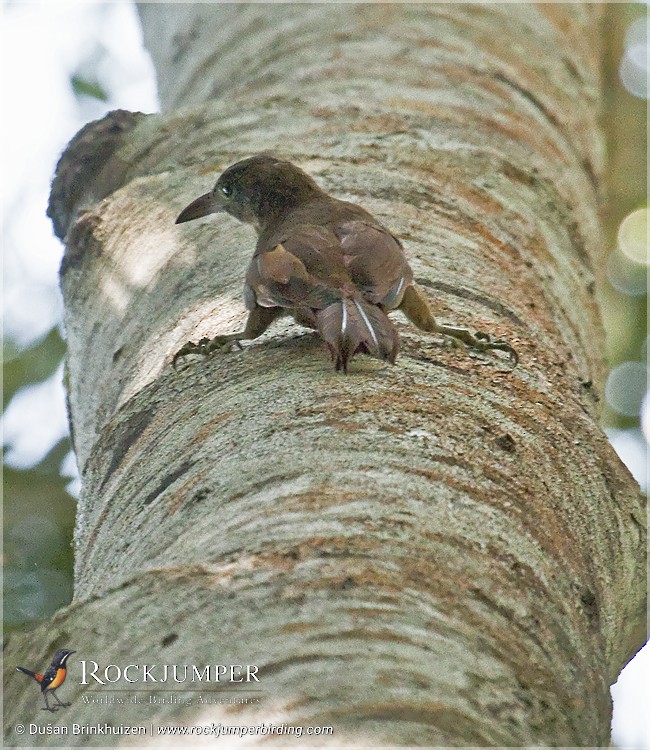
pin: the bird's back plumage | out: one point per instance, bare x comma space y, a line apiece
337, 269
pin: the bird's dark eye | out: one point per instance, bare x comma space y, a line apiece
226, 190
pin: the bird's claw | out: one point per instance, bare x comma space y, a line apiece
483, 342
205, 347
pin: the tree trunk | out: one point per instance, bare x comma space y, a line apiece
436, 553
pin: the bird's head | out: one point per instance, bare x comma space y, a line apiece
61, 656
257, 191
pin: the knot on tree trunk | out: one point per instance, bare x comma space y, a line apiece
80, 176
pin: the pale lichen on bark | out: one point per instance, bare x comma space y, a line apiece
436, 553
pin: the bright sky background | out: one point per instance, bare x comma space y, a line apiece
44, 44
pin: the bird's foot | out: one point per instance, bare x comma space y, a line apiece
480, 341
483, 342
207, 346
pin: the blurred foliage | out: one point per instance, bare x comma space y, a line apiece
32, 365
38, 526
625, 126
38, 512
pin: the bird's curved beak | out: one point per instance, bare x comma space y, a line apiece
206, 204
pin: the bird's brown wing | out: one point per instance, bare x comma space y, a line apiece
336, 278
296, 273
375, 261
316, 265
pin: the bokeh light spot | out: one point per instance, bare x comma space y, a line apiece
633, 70
625, 388
626, 276
633, 236
637, 32
645, 417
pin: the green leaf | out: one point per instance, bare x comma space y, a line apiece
84, 87
32, 365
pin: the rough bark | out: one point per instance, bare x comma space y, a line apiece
436, 553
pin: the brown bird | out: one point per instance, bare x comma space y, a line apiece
327, 262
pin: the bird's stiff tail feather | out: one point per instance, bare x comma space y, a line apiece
353, 325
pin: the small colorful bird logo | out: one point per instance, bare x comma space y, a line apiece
53, 677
